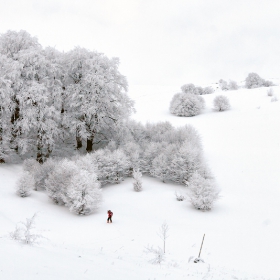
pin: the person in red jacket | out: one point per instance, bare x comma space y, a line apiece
110, 215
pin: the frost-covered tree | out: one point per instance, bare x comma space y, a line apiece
137, 180
150, 151
31, 94
221, 103
253, 80
185, 162
203, 192
25, 184
50, 99
98, 99
160, 167
186, 105
133, 153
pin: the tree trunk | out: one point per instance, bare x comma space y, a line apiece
89, 144
40, 157
2, 160
79, 142
14, 118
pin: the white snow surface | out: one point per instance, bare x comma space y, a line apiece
242, 148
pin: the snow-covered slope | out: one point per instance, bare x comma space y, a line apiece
242, 147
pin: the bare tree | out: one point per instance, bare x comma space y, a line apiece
163, 234
24, 233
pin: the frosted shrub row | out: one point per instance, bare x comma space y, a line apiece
159, 150
72, 183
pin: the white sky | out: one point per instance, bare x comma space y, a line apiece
167, 42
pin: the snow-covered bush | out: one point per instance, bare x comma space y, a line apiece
30, 165
221, 103
203, 192
186, 105
137, 182
223, 84
83, 193
270, 92
189, 88
179, 196
207, 90
73, 183
59, 180
274, 98
111, 167
25, 184
192, 89
232, 85
42, 171
253, 80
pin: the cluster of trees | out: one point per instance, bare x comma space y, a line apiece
53, 102
191, 88
158, 150
253, 80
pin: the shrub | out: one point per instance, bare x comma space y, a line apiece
59, 180
221, 103
203, 192
232, 85
207, 90
179, 196
188, 88
112, 167
186, 105
274, 99
83, 193
74, 184
223, 84
25, 184
270, 92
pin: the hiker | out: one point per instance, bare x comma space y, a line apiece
110, 214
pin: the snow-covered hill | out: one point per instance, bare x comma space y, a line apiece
242, 147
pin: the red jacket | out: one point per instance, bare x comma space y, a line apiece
110, 213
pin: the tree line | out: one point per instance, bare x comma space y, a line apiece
55, 102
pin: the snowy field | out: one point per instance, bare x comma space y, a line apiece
242, 148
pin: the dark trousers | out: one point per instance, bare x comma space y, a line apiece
109, 219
